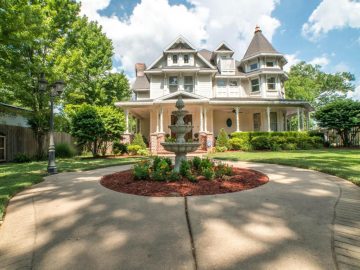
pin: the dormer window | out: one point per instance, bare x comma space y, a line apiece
270, 63
254, 66
173, 83
175, 59
186, 59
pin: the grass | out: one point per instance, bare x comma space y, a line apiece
15, 177
343, 163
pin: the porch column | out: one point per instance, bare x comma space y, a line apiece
237, 119
201, 119
268, 119
157, 121
126, 120
161, 120
285, 121
307, 120
298, 115
205, 120
302, 119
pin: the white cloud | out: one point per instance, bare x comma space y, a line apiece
322, 61
153, 24
292, 60
341, 67
356, 94
332, 14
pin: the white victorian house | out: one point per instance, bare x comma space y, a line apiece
218, 90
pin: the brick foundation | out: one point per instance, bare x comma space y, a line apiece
127, 138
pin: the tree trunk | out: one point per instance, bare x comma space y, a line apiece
40, 146
94, 150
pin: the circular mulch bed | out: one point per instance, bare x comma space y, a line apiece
241, 179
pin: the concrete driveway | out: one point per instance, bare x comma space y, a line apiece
301, 219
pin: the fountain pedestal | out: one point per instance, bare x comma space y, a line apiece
180, 147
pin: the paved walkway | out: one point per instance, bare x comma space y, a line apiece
301, 219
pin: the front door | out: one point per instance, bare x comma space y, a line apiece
188, 121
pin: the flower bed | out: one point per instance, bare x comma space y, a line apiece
196, 177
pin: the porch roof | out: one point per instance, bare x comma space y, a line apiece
221, 102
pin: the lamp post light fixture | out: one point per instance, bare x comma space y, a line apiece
56, 90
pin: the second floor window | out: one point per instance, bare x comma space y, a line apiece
255, 85
220, 83
175, 59
271, 85
233, 83
186, 59
188, 83
173, 83
254, 66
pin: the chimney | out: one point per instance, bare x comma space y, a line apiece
139, 69
257, 29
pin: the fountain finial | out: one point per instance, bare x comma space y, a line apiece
180, 103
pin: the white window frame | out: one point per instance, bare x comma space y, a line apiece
251, 84
269, 61
188, 84
173, 85
253, 63
188, 58
177, 59
274, 83
2, 137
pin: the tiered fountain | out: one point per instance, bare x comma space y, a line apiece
180, 147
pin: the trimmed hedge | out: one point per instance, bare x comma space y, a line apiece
286, 140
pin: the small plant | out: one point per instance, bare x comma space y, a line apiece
143, 152
222, 139
208, 173
184, 168
221, 148
22, 158
158, 175
191, 177
196, 162
142, 170
206, 164
64, 150
162, 166
174, 176
133, 149
222, 169
139, 140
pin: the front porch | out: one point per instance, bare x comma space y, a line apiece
208, 116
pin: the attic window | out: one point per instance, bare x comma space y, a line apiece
270, 63
186, 59
175, 59
253, 66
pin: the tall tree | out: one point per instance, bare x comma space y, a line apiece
308, 82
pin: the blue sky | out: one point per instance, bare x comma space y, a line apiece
325, 32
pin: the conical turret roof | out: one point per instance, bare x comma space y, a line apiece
259, 44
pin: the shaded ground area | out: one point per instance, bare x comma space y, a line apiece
15, 177
344, 163
242, 179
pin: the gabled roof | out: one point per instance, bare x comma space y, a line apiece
180, 43
259, 45
185, 95
223, 47
141, 83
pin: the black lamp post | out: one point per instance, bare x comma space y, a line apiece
56, 90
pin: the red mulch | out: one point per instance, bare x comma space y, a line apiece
241, 179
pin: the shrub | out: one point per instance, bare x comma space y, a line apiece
156, 161
158, 176
261, 143
222, 169
21, 158
245, 136
64, 150
206, 164
120, 148
196, 162
208, 173
133, 149
289, 146
138, 140
174, 176
236, 143
184, 168
221, 148
141, 170
222, 139
143, 152
162, 166
191, 177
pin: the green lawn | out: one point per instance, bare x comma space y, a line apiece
15, 177
339, 162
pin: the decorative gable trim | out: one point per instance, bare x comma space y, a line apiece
223, 46
180, 39
182, 93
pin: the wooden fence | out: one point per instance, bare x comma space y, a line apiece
22, 140
334, 139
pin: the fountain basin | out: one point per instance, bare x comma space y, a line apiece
181, 129
180, 147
